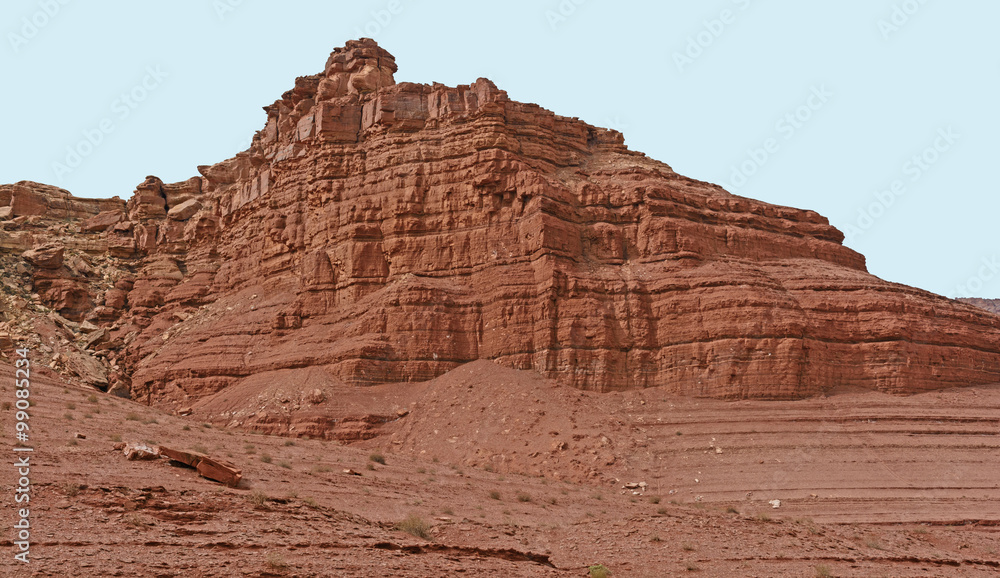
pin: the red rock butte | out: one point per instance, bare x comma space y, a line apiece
381, 232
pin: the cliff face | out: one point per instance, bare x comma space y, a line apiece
389, 232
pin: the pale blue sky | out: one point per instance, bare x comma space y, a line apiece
702, 86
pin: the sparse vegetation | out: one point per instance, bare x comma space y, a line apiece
186, 428
72, 489
92, 398
285, 465
523, 497
494, 495
71, 405
266, 458
687, 547
762, 517
415, 526
199, 448
377, 457
6, 405
823, 571
370, 467
259, 499
661, 511
68, 416
599, 571
654, 499
72, 442
116, 437
310, 502
289, 443
276, 562
132, 417
732, 510
133, 519
321, 469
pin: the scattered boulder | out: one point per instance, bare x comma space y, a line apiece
213, 469
140, 451
45, 257
185, 210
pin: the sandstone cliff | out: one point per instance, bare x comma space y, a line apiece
377, 232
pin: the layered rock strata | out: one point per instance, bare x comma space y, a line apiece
389, 232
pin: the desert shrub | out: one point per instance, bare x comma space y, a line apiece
599, 571
377, 457
276, 562
415, 526
259, 499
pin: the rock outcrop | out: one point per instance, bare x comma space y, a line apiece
390, 232
991, 305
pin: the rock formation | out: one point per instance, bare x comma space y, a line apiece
991, 305
390, 232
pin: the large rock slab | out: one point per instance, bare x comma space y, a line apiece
213, 469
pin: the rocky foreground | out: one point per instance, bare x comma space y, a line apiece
643, 482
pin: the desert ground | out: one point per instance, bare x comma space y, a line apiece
497, 472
